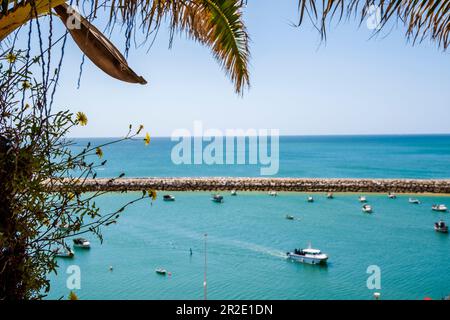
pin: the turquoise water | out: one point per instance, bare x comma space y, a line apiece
426, 156
248, 236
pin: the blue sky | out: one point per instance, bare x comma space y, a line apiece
349, 85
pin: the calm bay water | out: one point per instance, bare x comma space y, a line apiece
248, 235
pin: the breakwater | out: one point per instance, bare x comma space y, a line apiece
267, 184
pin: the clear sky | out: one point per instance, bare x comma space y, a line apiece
349, 85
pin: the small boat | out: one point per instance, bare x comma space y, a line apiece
81, 243
310, 199
309, 255
362, 199
64, 252
440, 226
439, 207
289, 217
273, 193
414, 201
330, 195
161, 271
217, 198
233, 193
367, 208
392, 195
168, 197
63, 227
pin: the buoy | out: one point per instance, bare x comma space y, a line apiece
377, 295
110, 268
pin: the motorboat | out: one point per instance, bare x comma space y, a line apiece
161, 271
330, 195
217, 198
310, 199
64, 252
392, 195
440, 226
367, 208
233, 193
439, 207
273, 193
81, 243
168, 197
414, 201
290, 217
309, 255
362, 199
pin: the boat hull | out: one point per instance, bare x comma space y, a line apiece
307, 259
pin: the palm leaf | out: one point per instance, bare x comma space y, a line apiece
422, 19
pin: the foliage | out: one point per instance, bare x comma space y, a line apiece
41, 204
423, 19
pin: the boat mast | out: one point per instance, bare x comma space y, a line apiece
205, 288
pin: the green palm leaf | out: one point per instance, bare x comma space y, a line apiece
422, 18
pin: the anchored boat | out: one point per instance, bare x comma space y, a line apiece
310, 199
309, 255
233, 193
81, 243
392, 195
168, 197
440, 226
439, 207
217, 198
414, 201
161, 271
64, 252
273, 193
367, 208
362, 199
330, 195
289, 217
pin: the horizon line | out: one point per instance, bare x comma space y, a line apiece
297, 135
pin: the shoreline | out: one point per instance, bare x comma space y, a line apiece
337, 185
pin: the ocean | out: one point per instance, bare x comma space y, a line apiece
412, 156
248, 235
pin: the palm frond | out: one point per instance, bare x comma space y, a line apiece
422, 19
217, 24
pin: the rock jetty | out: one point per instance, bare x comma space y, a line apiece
266, 184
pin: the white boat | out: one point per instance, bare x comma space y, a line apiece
309, 255
217, 198
81, 243
367, 208
161, 271
168, 197
310, 199
439, 207
414, 201
290, 217
362, 199
273, 193
64, 252
233, 193
330, 195
392, 195
441, 227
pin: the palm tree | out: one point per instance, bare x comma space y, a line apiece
422, 19
217, 24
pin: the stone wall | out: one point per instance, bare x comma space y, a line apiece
266, 184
